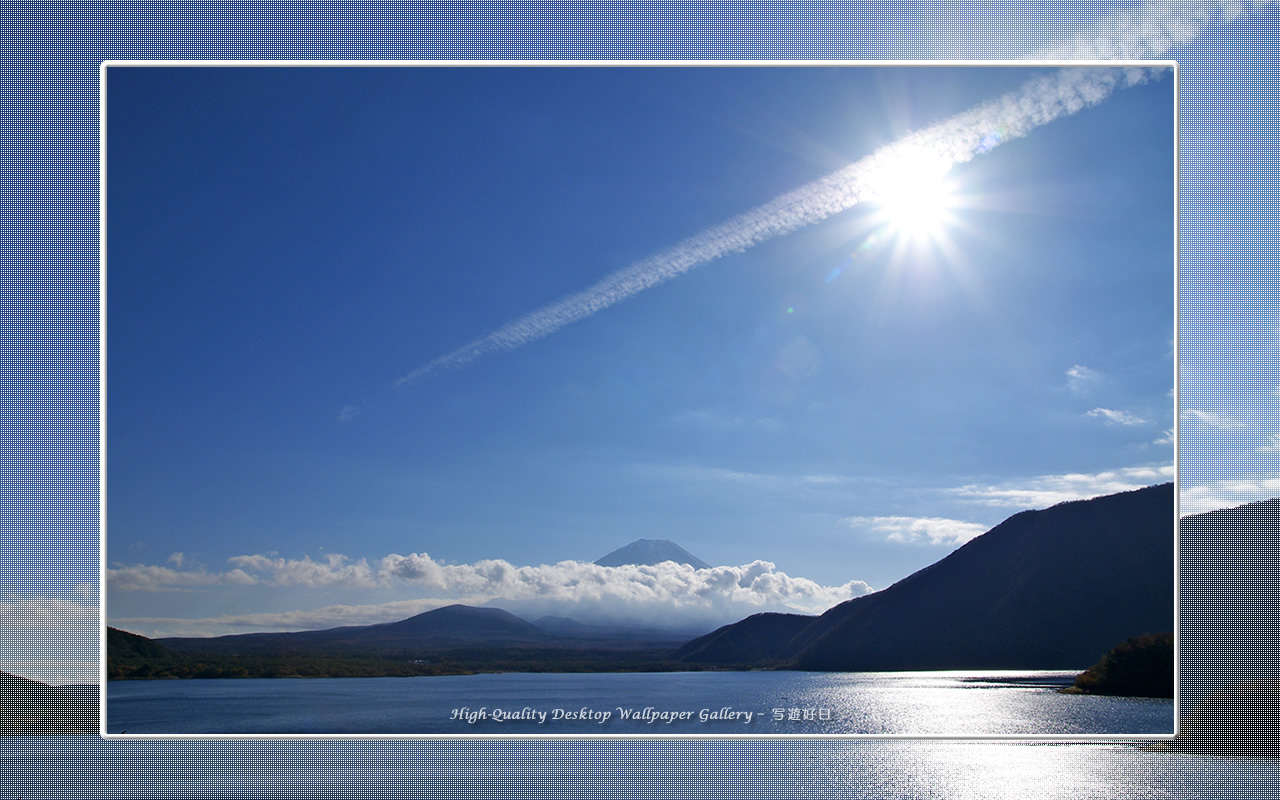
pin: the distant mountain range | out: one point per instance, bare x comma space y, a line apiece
1050, 589
459, 626
448, 628
651, 551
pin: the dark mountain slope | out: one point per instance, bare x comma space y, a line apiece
1051, 589
30, 707
1228, 566
758, 639
1044, 589
453, 624
126, 646
651, 551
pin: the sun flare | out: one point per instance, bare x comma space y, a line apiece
914, 195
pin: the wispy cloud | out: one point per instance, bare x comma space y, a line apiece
956, 140
766, 482
1117, 417
151, 577
913, 530
1196, 499
1080, 378
1272, 445
1047, 490
348, 413
1212, 419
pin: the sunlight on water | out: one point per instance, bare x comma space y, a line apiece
990, 770
758, 703
969, 704
86, 766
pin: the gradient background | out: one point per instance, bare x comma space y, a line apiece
1230, 608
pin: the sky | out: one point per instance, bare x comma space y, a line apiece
383, 339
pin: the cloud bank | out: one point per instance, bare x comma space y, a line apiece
956, 140
666, 594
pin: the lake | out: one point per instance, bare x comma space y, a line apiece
968, 703
54, 768
708, 703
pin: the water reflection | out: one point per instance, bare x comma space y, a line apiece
85, 766
959, 770
975, 704
704, 703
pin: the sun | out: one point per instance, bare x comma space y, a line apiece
914, 195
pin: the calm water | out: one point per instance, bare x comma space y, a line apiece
85, 766
714, 703
938, 703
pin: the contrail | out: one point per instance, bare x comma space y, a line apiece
1147, 32
954, 141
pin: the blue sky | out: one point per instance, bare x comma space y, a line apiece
847, 402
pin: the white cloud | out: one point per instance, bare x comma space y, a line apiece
1047, 490
665, 594
147, 577
1227, 493
334, 570
1117, 417
176, 560
1167, 438
630, 593
1080, 378
934, 530
1212, 419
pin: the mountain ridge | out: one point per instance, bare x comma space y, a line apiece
648, 552
453, 625
1003, 600
1053, 588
